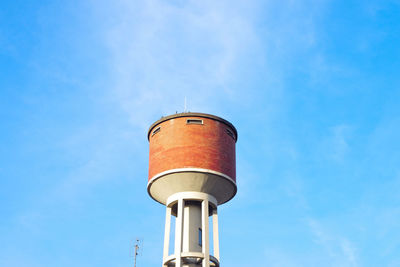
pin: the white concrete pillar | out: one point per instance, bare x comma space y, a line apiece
191, 226
205, 232
179, 232
167, 234
215, 233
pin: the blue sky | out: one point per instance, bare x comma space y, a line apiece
313, 88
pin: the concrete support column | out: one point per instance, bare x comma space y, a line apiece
178, 233
167, 234
205, 233
215, 233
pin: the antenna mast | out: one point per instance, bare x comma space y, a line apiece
136, 250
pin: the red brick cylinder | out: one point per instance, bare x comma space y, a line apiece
198, 141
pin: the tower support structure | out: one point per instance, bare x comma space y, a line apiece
192, 235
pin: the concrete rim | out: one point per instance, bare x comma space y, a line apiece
162, 174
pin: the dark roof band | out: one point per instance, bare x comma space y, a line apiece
192, 114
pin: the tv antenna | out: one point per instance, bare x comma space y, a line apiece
136, 250
185, 105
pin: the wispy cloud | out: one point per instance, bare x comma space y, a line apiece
339, 143
161, 52
335, 146
278, 258
339, 249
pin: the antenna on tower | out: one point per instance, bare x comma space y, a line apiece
136, 248
185, 105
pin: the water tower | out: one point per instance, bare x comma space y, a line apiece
191, 171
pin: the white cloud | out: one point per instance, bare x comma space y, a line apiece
336, 145
340, 143
161, 52
339, 250
277, 258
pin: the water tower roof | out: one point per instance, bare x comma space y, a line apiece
192, 114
